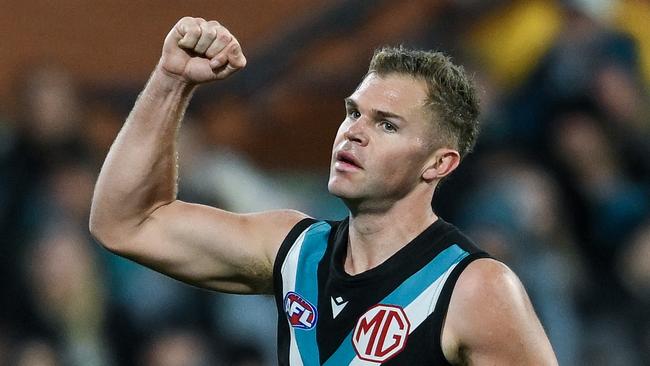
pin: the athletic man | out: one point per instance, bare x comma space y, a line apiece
392, 284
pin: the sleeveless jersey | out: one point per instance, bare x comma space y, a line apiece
389, 315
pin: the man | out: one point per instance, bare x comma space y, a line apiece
373, 289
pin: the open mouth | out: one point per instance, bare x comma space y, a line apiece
347, 159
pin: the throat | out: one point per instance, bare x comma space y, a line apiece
354, 267
372, 243
362, 257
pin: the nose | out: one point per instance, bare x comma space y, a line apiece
356, 132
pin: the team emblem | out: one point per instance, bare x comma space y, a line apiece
300, 312
381, 333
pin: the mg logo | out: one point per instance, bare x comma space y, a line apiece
380, 333
300, 313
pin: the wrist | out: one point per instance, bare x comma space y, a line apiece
167, 82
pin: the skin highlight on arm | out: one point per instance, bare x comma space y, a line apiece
491, 320
135, 212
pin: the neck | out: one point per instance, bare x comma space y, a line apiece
375, 235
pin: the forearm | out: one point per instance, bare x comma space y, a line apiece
140, 171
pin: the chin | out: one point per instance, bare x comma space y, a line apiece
337, 188
333, 188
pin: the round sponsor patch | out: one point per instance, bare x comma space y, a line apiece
300, 312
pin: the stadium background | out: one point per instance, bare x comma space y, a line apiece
558, 187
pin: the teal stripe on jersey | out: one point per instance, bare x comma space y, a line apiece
344, 354
404, 294
414, 285
311, 253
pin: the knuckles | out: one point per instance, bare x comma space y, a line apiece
193, 29
186, 20
210, 40
224, 37
210, 32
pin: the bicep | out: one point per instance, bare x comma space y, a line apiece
492, 321
211, 248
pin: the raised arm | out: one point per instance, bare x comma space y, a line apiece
491, 321
134, 210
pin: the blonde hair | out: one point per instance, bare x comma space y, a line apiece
451, 95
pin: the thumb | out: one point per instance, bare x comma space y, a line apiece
187, 32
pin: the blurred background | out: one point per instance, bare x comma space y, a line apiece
558, 187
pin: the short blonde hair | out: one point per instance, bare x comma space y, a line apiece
451, 94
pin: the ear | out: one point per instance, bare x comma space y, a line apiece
442, 163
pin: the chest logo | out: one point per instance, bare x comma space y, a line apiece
381, 333
337, 305
300, 312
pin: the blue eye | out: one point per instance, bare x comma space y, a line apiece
388, 127
354, 114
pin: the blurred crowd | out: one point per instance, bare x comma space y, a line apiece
558, 186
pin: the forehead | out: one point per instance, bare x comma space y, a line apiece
396, 93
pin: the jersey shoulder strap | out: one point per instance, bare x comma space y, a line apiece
442, 305
296, 290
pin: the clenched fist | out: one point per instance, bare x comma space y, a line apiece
198, 51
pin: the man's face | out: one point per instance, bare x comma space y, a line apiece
381, 148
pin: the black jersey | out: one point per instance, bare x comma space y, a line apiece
390, 315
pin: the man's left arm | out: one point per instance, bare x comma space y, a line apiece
491, 320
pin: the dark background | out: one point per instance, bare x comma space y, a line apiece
558, 187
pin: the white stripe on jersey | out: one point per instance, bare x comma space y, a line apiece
289, 272
418, 310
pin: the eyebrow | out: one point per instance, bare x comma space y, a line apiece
350, 103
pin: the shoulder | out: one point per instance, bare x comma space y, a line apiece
272, 228
487, 279
490, 318
277, 224
277, 221
298, 224
489, 293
